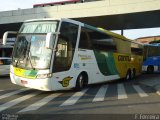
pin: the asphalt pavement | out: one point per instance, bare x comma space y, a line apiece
152, 81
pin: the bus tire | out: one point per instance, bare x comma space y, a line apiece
128, 75
133, 74
150, 69
80, 82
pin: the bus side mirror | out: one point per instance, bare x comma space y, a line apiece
5, 35
50, 39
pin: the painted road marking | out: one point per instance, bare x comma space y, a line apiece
13, 93
72, 100
121, 92
40, 103
140, 91
101, 94
17, 101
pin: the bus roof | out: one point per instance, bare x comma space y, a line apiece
54, 19
41, 19
114, 34
118, 36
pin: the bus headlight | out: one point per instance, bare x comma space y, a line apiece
42, 76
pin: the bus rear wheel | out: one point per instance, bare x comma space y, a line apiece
128, 75
80, 82
150, 69
133, 73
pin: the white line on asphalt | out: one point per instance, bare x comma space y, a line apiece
40, 103
72, 100
101, 94
13, 93
121, 92
17, 101
140, 91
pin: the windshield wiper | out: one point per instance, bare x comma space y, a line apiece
20, 58
29, 56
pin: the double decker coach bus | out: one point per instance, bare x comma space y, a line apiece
151, 62
60, 54
62, 2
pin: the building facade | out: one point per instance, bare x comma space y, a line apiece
147, 40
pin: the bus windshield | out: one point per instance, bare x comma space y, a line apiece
29, 50
151, 51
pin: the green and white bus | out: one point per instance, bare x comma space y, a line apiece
59, 54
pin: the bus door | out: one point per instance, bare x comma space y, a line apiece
65, 47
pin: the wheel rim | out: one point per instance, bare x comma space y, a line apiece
127, 77
81, 81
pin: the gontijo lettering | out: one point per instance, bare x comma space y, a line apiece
124, 58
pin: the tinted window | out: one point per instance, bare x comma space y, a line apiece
136, 49
65, 47
5, 61
85, 41
5, 52
92, 39
102, 41
150, 51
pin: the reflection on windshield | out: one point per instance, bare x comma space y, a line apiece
21, 47
30, 52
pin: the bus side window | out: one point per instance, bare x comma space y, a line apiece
103, 42
84, 42
136, 49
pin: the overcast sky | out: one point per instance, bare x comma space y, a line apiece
8, 5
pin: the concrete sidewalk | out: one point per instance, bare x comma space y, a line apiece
153, 82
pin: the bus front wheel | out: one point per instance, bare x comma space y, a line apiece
150, 69
80, 82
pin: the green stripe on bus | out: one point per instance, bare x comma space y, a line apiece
106, 63
30, 73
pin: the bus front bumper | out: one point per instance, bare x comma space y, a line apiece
40, 84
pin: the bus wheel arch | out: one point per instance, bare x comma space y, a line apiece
150, 69
82, 81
